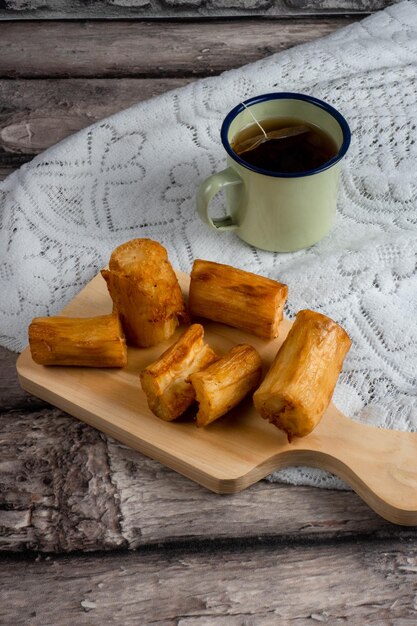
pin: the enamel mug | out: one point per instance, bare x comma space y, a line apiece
279, 212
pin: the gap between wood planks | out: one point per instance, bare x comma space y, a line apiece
232, 545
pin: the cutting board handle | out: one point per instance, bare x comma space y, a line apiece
379, 464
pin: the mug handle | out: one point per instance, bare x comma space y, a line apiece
207, 191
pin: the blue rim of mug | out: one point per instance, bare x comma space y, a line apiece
286, 96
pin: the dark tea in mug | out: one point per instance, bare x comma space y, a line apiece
290, 146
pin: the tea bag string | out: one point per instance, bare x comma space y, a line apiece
282, 133
254, 119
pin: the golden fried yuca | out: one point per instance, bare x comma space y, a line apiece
84, 341
299, 385
224, 383
241, 299
166, 381
145, 292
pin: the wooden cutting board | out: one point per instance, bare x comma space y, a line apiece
240, 448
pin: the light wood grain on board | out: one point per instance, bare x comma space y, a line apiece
234, 452
368, 583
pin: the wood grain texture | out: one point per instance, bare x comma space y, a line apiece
10, 162
6, 170
64, 487
40, 509
12, 396
158, 505
369, 583
116, 9
139, 49
56, 492
34, 114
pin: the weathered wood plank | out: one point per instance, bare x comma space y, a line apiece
318, 6
61, 9
34, 114
6, 170
65, 487
9, 165
368, 583
12, 395
158, 505
37, 114
123, 48
56, 492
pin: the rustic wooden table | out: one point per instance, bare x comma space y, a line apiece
94, 532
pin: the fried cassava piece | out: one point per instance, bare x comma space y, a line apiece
84, 341
145, 292
237, 298
299, 385
166, 381
224, 383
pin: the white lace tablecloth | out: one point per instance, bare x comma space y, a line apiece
136, 173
